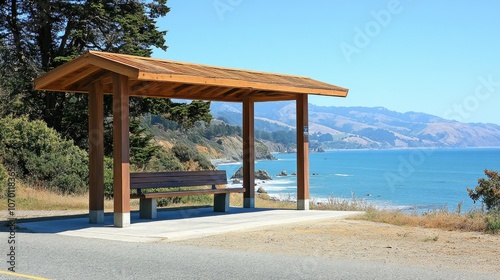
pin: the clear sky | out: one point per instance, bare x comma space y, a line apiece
437, 57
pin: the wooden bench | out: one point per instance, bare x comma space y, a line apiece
154, 180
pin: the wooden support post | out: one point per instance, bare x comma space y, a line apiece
121, 164
302, 152
248, 153
96, 154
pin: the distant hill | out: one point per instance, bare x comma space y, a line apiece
364, 127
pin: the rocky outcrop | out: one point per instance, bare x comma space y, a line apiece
259, 175
282, 173
262, 175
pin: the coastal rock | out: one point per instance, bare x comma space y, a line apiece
262, 175
261, 190
238, 174
283, 173
318, 150
259, 174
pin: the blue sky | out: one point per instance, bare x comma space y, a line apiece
437, 57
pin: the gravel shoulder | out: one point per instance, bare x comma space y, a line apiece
368, 241
355, 240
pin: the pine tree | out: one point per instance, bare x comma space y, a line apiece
39, 35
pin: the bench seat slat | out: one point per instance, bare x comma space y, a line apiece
179, 173
182, 179
156, 180
177, 183
188, 192
177, 179
170, 184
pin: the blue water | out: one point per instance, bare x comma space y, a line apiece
420, 178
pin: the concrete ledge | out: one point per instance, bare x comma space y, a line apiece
302, 204
147, 208
96, 216
248, 202
221, 202
122, 220
180, 224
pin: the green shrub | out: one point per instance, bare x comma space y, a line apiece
108, 177
204, 199
185, 153
487, 191
164, 160
3, 180
492, 222
41, 157
142, 149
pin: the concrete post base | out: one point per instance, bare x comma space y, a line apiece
122, 219
249, 203
221, 202
96, 216
147, 208
302, 204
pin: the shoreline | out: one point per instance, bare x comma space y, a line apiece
367, 201
406, 180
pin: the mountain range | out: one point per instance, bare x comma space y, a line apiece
365, 127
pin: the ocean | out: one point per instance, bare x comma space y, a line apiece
422, 179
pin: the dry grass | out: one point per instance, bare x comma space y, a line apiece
442, 219
28, 198
343, 204
263, 201
473, 220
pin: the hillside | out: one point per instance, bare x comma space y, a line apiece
363, 127
217, 142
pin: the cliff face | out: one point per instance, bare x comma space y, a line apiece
215, 145
232, 149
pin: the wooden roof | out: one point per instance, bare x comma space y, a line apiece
163, 78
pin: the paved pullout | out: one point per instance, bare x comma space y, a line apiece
57, 256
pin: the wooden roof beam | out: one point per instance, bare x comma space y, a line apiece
79, 75
83, 85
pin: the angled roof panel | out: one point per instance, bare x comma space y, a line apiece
164, 78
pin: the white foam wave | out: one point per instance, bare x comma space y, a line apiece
229, 163
278, 182
278, 188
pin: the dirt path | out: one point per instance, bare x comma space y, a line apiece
362, 240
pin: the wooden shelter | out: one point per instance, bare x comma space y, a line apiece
99, 73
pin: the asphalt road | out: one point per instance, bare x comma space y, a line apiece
55, 256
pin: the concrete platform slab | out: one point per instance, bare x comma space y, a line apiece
180, 224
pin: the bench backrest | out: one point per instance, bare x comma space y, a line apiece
177, 179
